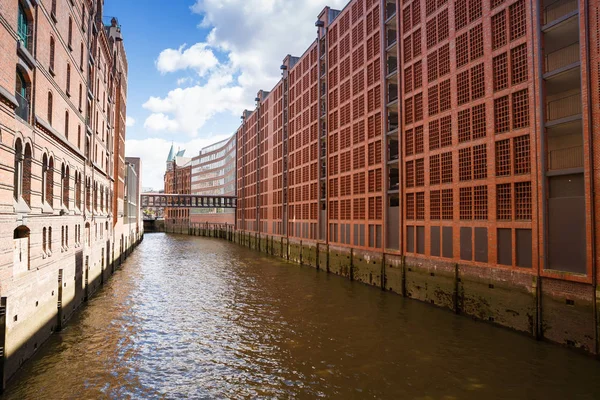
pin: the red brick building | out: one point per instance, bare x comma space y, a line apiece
63, 75
178, 180
449, 137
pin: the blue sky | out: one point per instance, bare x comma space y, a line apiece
195, 65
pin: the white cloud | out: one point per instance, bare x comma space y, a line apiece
183, 81
154, 152
130, 121
254, 36
198, 57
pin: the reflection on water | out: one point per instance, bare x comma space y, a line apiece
203, 318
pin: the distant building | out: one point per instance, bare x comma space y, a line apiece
213, 174
178, 181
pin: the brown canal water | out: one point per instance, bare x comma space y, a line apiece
202, 318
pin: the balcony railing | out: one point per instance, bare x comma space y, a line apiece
23, 109
562, 57
567, 106
391, 37
559, 9
570, 157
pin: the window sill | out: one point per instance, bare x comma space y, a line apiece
53, 16
52, 71
70, 47
68, 92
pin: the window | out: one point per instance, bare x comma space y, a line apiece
69, 80
23, 28
22, 94
81, 57
52, 55
65, 186
67, 125
18, 170
70, 34
80, 97
50, 108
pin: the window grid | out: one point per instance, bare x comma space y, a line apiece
445, 101
410, 174
477, 82
463, 90
464, 125
520, 109
462, 49
501, 115
503, 157
518, 64
446, 131
479, 121
433, 100
499, 30
476, 42
480, 161
480, 203
420, 172
466, 203
521, 150
418, 74
447, 204
517, 20
410, 206
419, 145
434, 169
523, 201
503, 202
435, 205
432, 66
434, 134
409, 142
444, 60
500, 67
420, 214
446, 167
465, 172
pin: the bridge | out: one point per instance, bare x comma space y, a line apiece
186, 201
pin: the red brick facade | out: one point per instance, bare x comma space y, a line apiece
451, 130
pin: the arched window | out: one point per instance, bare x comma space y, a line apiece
80, 97
50, 182
53, 8
22, 94
44, 240
51, 55
79, 136
18, 170
44, 176
67, 125
27, 161
65, 185
50, 108
50, 240
68, 79
67, 236
62, 237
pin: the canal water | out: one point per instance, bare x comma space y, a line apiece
202, 318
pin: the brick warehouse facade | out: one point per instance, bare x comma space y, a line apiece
178, 180
62, 127
442, 149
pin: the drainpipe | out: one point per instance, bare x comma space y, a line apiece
591, 178
542, 164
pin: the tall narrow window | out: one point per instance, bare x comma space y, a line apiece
69, 80
44, 240
65, 186
50, 240
27, 161
23, 28
67, 125
18, 170
83, 18
54, 8
80, 97
70, 34
79, 136
50, 182
50, 108
44, 178
81, 57
22, 96
52, 54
